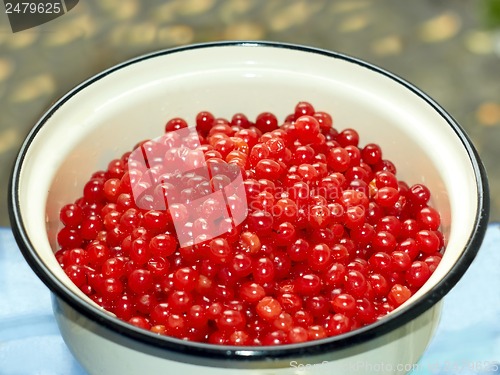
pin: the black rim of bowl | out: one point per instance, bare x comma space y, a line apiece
252, 353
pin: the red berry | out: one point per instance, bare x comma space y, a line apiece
303, 155
179, 301
399, 294
308, 284
354, 216
419, 194
268, 308
93, 191
380, 262
297, 334
348, 137
365, 311
385, 179
306, 129
263, 270
400, 261
379, 285
325, 121
77, 274
345, 304
302, 109
185, 278
231, 320
338, 324
299, 250
252, 292
428, 241
338, 159
418, 274
387, 196
384, 241
433, 261
140, 281
316, 332
319, 257
356, 284
266, 122
371, 154
111, 289
69, 238
429, 218
204, 122
140, 321
175, 124
71, 215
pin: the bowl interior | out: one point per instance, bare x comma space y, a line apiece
109, 114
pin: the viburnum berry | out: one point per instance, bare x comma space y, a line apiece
299, 250
419, 194
297, 334
417, 274
379, 285
344, 303
428, 241
252, 232
319, 257
308, 284
69, 238
268, 308
338, 159
371, 154
429, 218
266, 122
140, 321
306, 128
316, 332
302, 109
337, 324
348, 137
71, 215
398, 294
76, 274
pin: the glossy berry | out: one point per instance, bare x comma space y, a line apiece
204, 122
319, 257
306, 128
429, 218
268, 308
417, 274
419, 194
344, 303
140, 281
399, 294
428, 241
371, 154
71, 215
266, 122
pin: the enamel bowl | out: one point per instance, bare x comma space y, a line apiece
106, 115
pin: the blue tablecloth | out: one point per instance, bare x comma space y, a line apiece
467, 341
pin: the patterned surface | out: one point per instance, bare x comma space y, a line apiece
467, 341
444, 47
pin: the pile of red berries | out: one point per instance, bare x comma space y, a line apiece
331, 239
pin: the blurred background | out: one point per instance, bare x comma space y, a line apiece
448, 48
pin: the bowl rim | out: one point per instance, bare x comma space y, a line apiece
253, 353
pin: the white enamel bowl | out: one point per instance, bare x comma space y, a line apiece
106, 115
